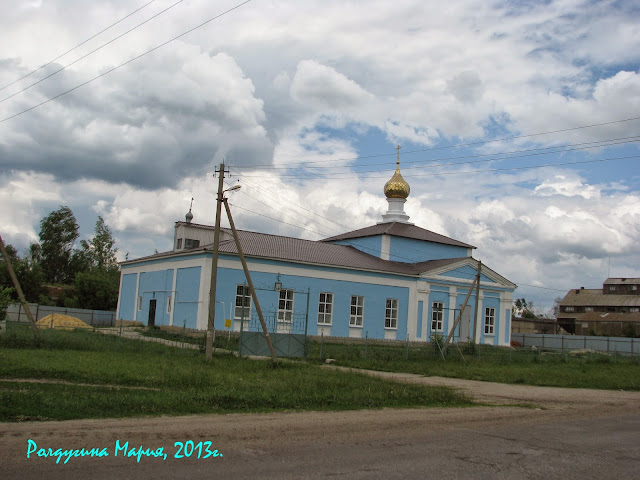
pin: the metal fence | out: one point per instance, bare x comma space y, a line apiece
95, 318
567, 343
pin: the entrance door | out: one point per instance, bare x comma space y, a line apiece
465, 324
152, 313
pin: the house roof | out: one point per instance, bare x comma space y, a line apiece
588, 297
633, 317
276, 247
399, 230
622, 281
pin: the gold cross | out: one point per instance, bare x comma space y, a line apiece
398, 161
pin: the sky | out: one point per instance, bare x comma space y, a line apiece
518, 123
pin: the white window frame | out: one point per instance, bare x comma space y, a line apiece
286, 299
237, 306
489, 320
325, 308
140, 303
391, 314
356, 312
437, 316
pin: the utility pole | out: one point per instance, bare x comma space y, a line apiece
477, 314
214, 267
250, 283
16, 284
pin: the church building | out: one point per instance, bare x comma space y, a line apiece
393, 280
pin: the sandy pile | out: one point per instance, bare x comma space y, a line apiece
66, 322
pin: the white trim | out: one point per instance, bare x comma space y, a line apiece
385, 249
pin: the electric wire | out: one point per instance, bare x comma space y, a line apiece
460, 172
107, 72
92, 51
77, 46
483, 157
457, 145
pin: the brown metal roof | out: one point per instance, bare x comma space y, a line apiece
633, 317
595, 298
308, 251
399, 230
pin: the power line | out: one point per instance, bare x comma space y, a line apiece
77, 46
125, 63
91, 52
485, 157
464, 172
457, 145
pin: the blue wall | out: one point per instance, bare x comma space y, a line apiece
370, 245
411, 251
186, 298
374, 305
128, 296
155, 285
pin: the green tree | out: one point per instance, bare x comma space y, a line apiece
28, 273
523, 308
58, 233
5, 300
97, 289
100, 251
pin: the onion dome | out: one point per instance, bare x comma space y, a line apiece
397, 187
189, 216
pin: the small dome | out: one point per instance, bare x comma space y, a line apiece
397, 187
189, 216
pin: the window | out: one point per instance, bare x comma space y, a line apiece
569, 309
169, 305
634, 309
285, 306
325, 308
178, 244
489, 320
612, 288
191, 243
139, 303
243, 299
437, 314
357, 311
391, 313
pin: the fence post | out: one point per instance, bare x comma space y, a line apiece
37, 311
562, 344
321, 342
19, 311
407, 356
366, 343
607, 344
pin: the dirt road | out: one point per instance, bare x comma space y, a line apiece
568, 433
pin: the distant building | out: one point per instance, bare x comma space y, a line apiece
612, 310
392, 280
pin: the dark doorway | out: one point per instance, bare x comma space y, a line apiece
152, 313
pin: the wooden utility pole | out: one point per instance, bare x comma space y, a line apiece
16, 284
250, 283
478, 317
214, 267
457, 321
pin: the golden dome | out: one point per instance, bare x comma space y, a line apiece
397, 187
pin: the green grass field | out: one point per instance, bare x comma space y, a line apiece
91, 375
491, 364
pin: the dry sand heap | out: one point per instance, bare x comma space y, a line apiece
57, 320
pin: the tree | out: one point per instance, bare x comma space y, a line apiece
100, 251
523, 308
5, 300
97, 289
28, 273
58, 233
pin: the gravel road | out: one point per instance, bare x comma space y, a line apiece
563, 433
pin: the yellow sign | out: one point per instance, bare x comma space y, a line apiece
227, 323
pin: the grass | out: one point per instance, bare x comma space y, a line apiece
491, 364
107, 372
